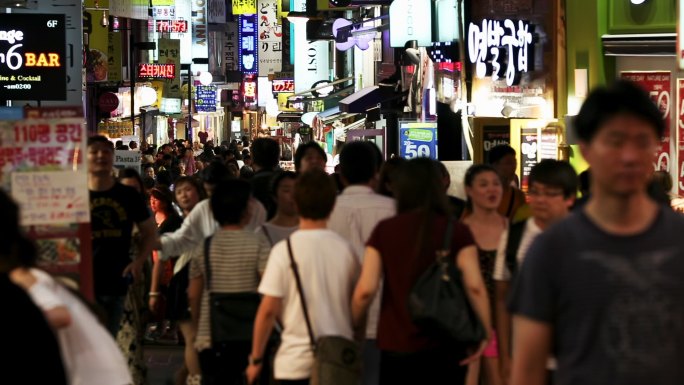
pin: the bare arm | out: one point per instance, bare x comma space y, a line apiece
269, 310
532, 348
195, 289
367, 286
148, 235
475, 289
503, 328
198, 225
154, 282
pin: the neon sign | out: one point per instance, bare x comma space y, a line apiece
173, 26
283, 85
248, 44
156, 71
496, 43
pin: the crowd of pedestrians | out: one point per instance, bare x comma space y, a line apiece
565, 293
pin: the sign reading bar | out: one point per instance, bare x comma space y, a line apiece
33, 57
283, 85
496, 44
156, 71
173, 26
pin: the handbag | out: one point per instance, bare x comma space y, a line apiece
337, 359
231, 315
438, 304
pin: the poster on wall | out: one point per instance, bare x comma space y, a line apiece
417, 140
33, 53
169, 53
270, 38
658, 85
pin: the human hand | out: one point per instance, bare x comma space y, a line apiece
153, 303
252, 373
475, 356
134, 268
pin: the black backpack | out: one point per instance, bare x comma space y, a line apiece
515, 233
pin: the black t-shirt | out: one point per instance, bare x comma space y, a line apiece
616, 303
31, 353
113, 213
261, 190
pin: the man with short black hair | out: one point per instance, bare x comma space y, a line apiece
604, 288
265, 157
357, 211
503, 159
309, 156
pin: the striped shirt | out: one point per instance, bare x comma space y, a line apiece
237, 258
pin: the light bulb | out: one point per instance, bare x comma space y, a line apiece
105, 20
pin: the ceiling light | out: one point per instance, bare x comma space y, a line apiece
637, 2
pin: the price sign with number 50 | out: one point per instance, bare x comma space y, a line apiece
418, 140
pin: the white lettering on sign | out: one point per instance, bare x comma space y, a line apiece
499, 40
11, 36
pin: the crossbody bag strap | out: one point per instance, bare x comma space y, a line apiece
207, 265
295, 270
268, 235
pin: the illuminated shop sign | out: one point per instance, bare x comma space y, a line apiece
250, 91
410, 20
205, 98
248, 44
283, 85
32, 57
496, 44
173, 26
156, 71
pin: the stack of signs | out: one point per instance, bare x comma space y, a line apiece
205, 98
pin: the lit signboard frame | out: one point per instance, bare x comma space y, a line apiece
172, 26
156, 71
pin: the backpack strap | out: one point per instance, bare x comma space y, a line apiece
515, 233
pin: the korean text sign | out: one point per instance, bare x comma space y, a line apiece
270, 38
418, 140
658, 86
205, 100
248, 44
33, 57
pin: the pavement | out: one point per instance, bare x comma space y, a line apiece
163, 362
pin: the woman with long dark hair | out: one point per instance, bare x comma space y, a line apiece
401, 249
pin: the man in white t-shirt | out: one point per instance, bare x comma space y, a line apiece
357, 211
328, 269
553, 189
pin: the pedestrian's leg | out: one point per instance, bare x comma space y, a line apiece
190, 354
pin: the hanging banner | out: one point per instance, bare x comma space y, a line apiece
230, 48
270, 38
97, 64
247, 44
680, 135
114, 57
658, 85
169, 53
311, 58
200, 46
217, 11
244, 7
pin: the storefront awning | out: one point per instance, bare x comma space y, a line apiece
289, 117
647, 44
333, 114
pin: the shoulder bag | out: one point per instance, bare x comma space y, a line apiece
231, 315
438, 304
337, 359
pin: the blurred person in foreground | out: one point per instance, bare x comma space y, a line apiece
603, 290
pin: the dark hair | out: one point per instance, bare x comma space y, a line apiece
16, 249
557, 174
148, 182
499, 152
584, 181
164, 178
315, 194
621, 98
265, 153
132, 173
194, 182
388, 173
100, 139
167, 157
358, 162
475, 170
279, 177
229, 201
162, 147
215, 173
303, 148
418, 185
163, 194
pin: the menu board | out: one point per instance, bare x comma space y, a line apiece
205, 98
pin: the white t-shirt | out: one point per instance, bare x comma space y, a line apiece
501, 272
275, 233
90, 354
328, 270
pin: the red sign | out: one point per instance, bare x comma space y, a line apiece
658, 85
680, 135
250, 89
283, 85
174, 26
156, 71
108, 102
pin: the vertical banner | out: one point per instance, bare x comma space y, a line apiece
247, 44
97, 64
529, 148
230, 49
311, 61
270, 38
217, 11
658, 85
114, 57
680, 136
200, 45
169, 53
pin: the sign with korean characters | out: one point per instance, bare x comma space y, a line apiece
33, 57
42, 164
156, 71
205, 98
247, 44
270, 38
680, 135
169, 53
244, 7
658, 85
495, 44
230, 47
493, 136
114, 57
163, 11
417, 140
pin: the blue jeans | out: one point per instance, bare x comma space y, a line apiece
113, 306
371, 363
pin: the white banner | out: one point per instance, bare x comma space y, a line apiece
127, 159
200, 44
311, 58
270, 38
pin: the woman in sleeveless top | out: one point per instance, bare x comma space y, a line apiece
484, 189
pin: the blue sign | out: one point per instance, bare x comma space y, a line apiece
205, 98
418, 140
248, 44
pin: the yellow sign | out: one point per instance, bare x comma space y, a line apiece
158, 86
282, 102
169, 53
163, 3
244, 7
